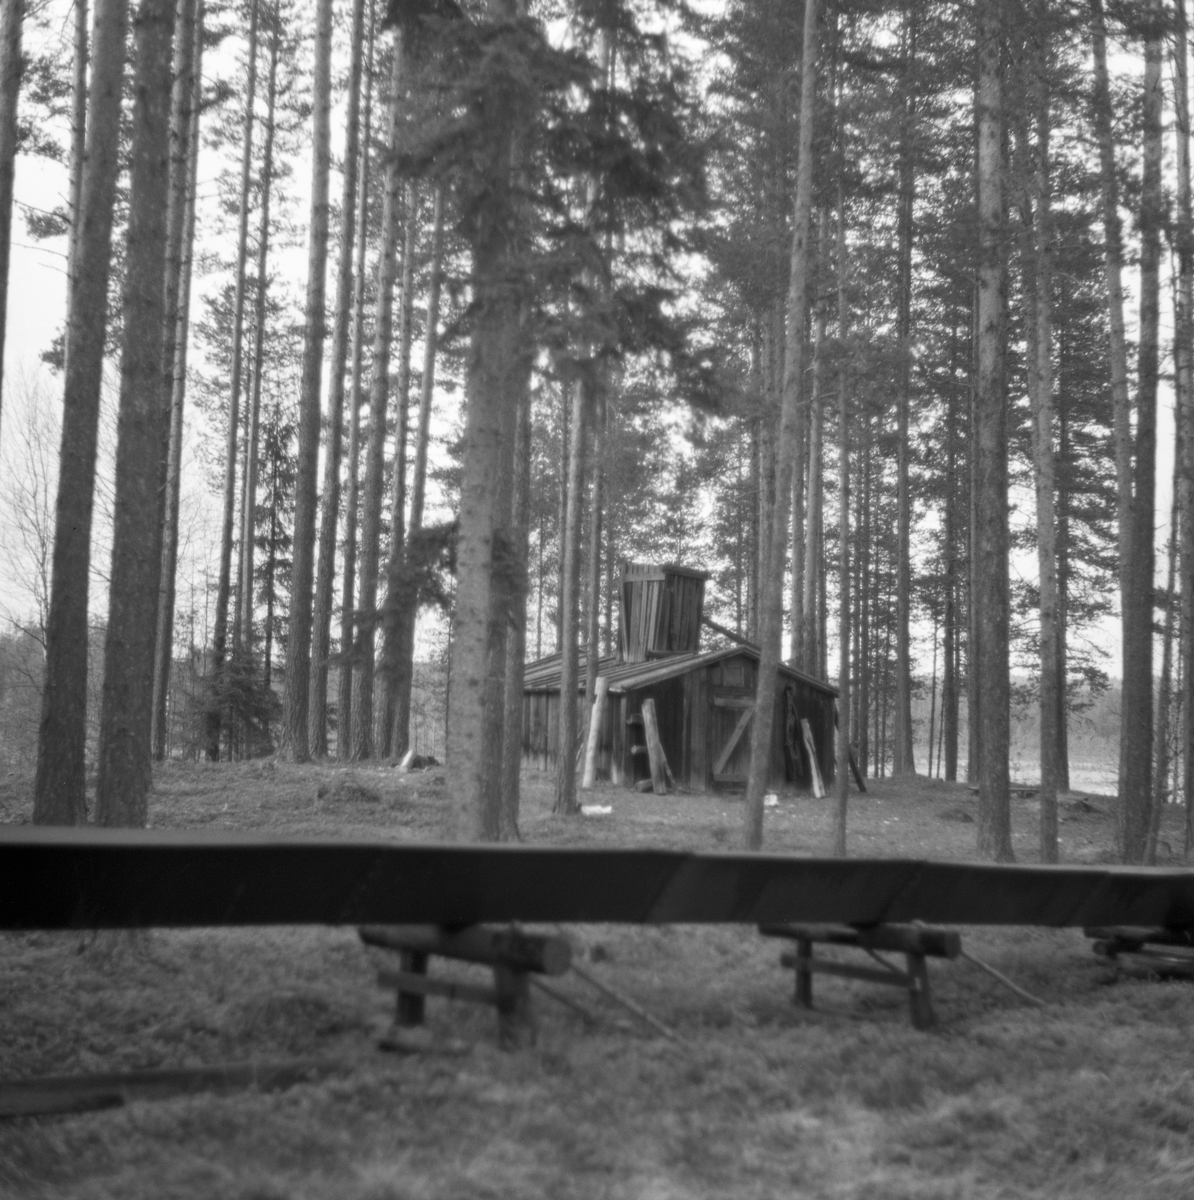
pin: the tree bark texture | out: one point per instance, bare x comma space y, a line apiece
12, 20
59, 787
379, 394
293, 745
329, 511
991, 543
124, 762
496, 371
771, 600
80, 53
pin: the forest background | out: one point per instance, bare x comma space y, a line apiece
661, 333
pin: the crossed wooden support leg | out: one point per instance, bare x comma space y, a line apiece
915, 942
512, 954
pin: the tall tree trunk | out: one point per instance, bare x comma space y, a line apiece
903, 761
248, 505
80, 52
224, 584
866, 541
329, 513
122, 788
1051, 705
344, 722
59, 786
814, 550
271, 571
498, 817
566, 403
516, 638
496, 370
973, 676
842, 766
402, 600
12, 19
1036, 255
949, 674
295, 695
393, 733
596, 513
184, 162
582, 404
771, 607
379, 393
1136, 709
1161, 752
1184, 363
991, 567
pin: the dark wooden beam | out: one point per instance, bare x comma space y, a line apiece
54, 878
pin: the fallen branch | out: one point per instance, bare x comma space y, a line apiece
85, 1093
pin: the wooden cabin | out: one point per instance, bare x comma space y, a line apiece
703, 701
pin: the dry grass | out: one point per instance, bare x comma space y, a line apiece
1091, 1096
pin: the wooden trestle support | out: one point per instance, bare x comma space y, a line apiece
511, 953
915, 942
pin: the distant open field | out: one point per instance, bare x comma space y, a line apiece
1090, 1096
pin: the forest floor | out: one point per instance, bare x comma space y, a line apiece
1090, 1096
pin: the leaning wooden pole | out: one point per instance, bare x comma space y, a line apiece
771, 607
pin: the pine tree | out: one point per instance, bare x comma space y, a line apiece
59, 787
124, 760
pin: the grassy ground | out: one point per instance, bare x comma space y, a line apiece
1090, 1096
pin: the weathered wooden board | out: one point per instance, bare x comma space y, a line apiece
98, 878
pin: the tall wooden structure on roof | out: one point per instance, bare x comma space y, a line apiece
704, 701
660, 609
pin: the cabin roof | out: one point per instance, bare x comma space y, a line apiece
543, 675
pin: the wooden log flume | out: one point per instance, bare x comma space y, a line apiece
123, 879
